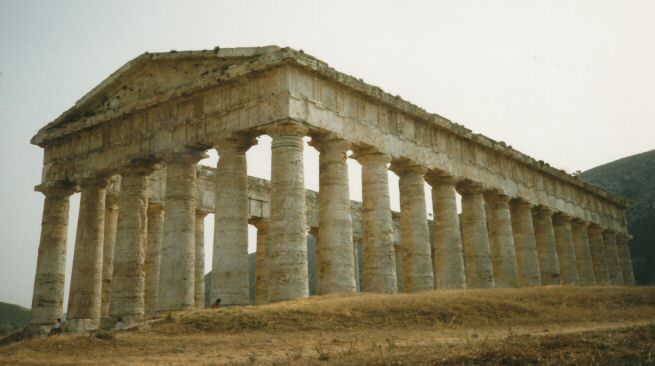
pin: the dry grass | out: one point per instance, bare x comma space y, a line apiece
545, 325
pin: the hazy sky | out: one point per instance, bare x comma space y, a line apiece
568, 82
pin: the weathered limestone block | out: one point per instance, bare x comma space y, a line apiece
583, 258
565, 249
261, 266
176, 275
612, 254
152, 263
335, 271
378, 240
417, 274
86, 277
475, 239
288, 275
111, 221
501, 240
199, 268
128, 280
545, 237
448, 258
48, 295
625, 259
599, 259
527, 256
230, 258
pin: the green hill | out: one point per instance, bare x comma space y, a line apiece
12, 318
634, 178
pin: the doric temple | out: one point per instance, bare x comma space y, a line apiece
131, 147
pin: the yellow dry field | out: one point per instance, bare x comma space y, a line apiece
543, 325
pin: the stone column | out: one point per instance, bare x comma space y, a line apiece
565, 249
177, 261
335, 271
48, 295
527, 256
377, 224
199, 267
625, 259
261, 267
418, 274
111, 220
448, 259
475, 239
358, 285
582, 253
230, 278
288, 276
501, 240
597, 248
152, 262
546, 247
128, 280
85, 295
612, 253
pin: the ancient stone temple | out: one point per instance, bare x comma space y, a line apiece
131, 148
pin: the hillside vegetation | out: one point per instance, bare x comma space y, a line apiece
634, 178
544, 325
12, 318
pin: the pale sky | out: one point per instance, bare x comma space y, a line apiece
568, 82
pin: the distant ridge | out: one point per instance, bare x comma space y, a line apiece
633, 177
12, 318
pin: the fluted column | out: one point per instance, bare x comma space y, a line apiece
230, 277
501, 240
448, 259
152, 263
583, 258
288, 276
48, 295
111, 220
128, 277
335, 271
565, 249
199, 267
625, 259
85, 295
525, 242
418, 274
546, 247
261, 267
475, 238
177, 261
597, 248
612, 255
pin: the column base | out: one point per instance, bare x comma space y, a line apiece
81, 325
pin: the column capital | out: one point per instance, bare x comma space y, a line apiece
542, 211
186, 156
201, 213
407, 167
434, 177
595, 228
260, 223
622, 238
235, 143
561, 218
288, 128
139, 167
57, 189
329, 142
580, 222
494, 195
469, 187
100, 181
367, 155
519, 202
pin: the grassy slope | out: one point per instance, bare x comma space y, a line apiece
554, 325
634, 178
12, 317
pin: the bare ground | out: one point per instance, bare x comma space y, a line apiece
544, 325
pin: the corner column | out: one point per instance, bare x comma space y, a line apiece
288, 274
501, 240
599, 259
448, 259
546, 247
199, 267
565, 249
48, 295
612, 255
152, 262
582, 253
335, 270
86, 277
128, 278
475, 239
177, 276
377, 224
625, 259
230, 277
418, 274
